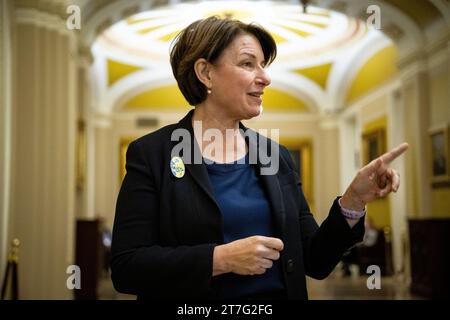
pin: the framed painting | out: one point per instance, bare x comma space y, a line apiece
302, 155
374, 145
123, 147
80, 155
440, 154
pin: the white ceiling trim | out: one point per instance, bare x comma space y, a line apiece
107, 16
344, 58
341, 77
135, 84
444, 9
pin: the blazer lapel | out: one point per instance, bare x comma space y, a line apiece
198, 171
270, 182
200, 174
272, 186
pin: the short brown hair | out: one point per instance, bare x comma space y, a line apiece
208, 38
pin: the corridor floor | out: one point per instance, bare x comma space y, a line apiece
335, 287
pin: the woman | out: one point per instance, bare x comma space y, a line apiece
221, 227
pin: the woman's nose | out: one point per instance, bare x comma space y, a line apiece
263, 78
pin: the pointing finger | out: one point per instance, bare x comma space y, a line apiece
388, 157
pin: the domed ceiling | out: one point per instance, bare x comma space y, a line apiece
325, 59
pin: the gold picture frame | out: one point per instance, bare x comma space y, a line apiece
440, 155
374, 144
301, 151
80, 161
123, 147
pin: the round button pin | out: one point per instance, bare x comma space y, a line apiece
177, 167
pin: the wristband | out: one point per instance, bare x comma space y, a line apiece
351, 214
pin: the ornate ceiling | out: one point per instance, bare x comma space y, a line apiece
326, 59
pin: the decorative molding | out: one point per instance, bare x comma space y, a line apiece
412, 64
129, 11
85, 57
444, 9
340, 6
51, 6
102, 123
329, 123
41, 19
393, 31
51, 22
438, 44
393, 14
385, 89
435, 55
107, 15
355, 62
436, 62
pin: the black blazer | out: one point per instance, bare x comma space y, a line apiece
166, 228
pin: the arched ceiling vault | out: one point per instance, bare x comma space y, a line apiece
319, 70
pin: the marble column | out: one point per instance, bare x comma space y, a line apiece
415, 96
86, 184
396, 129
44, 136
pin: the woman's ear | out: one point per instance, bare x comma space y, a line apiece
202, 70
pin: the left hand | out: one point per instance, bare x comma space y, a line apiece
375, 180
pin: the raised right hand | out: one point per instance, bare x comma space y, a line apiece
248, 256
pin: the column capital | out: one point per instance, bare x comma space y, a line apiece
412, 65
85, 57
329, 122
40, 18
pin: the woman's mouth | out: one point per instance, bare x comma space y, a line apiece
256, 96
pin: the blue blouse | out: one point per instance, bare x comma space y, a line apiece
245, 212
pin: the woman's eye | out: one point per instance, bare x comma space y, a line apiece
247, 64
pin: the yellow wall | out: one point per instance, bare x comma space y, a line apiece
440, 114
324, 162
440, 202
371, 75
440, 97
118, 70
305, 145
169, 97
318, 74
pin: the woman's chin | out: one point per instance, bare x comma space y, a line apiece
254, 111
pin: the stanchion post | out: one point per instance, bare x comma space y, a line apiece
12, 267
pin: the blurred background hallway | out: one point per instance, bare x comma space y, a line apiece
81, 79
